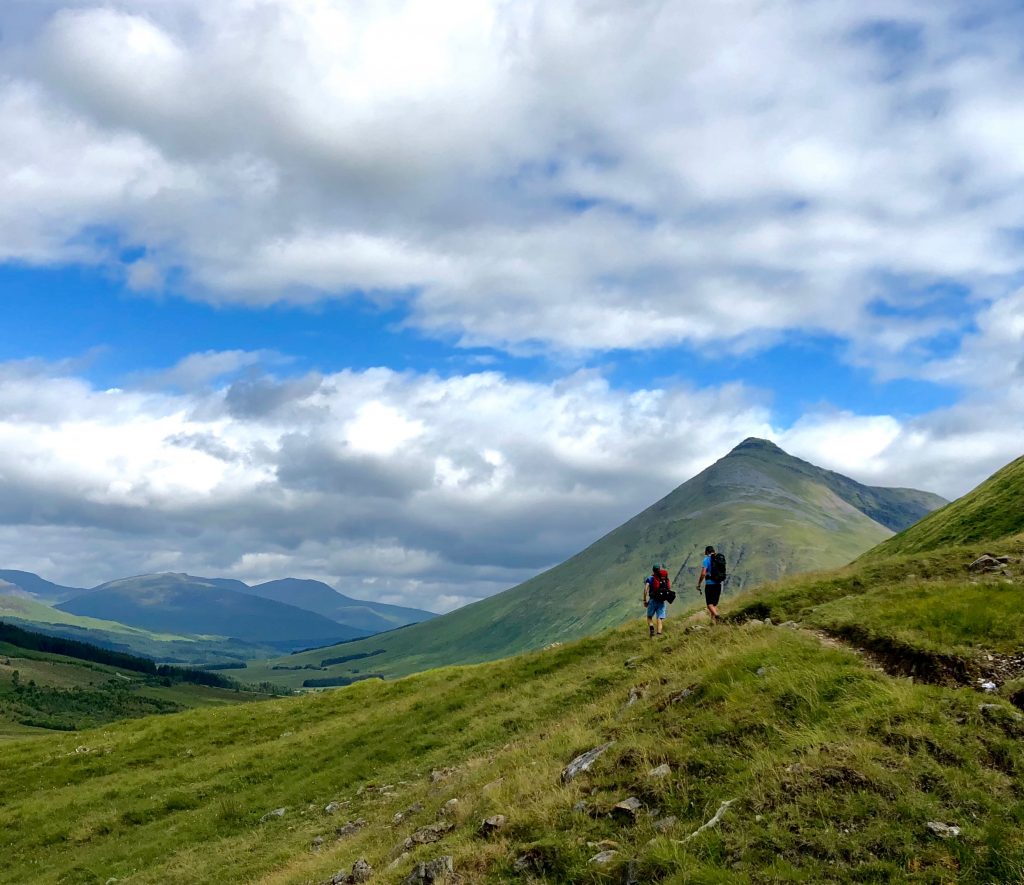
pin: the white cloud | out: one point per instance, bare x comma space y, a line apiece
745, 169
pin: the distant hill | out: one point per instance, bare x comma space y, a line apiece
36, 586
995, 509
770, 513
316, 596
180, 603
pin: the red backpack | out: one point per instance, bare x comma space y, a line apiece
661, 586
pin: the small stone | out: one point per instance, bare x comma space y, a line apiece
682, 695
270, 815
663, 770
762, 671
758, 818
943, 831
580, 807
492, 824
331, 808
635, 694
437, 870
698, 628
440, 774
768, 622
583, 762
450, 808
317, 842
350, 827
633, 661
989, 686
627, 809
986, 563
361, 872
666, 823
790, 625
604, 857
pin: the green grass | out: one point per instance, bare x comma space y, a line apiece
835, 767
993, 510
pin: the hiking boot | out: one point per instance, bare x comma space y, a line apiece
651, 629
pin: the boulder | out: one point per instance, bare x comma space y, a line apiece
449, 809
491, 825
583, 762
987, 563
943, 831
428, 834
440, 869
627, 809
331, 808
361, 872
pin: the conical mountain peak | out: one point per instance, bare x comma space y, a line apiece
756, 444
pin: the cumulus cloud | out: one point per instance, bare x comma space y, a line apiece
569, 176
411, 488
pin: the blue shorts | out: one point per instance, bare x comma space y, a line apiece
657, 610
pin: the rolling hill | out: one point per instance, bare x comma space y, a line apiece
746, 753
772, 515
179, 603
315, 596
36, 587
994, 509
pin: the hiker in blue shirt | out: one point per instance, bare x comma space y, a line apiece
712, 575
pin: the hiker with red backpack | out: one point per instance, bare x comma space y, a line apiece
712, 575
658, 594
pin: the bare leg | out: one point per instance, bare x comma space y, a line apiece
661, 625
650, 626
713, 611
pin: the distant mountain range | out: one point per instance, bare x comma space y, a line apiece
174, 616
770, 513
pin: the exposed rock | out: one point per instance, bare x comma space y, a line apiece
441, 774
768, 622
270, 815
943, 831
450, 808
583, 762
361, 871
428, 834
663, 770
666, 823
492, 824
762, 671
627, 809
350, 827
580, 807
604, 844
790, 625
316, 843
715, 820
532, 861
398, 861
492, 786
604, 857
331, 808
697, 628
440, 869
415, 808
988, 563
633, 661
682, 695
635, 693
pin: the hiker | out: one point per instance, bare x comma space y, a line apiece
712, 575
657, 595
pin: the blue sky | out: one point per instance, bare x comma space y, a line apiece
297, 287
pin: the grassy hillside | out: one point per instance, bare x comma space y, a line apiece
162, 647
36, 586
179, 603
770, 513
993, 510
833, 767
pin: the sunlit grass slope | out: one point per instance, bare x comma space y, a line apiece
772, 514
995, 509
835, 767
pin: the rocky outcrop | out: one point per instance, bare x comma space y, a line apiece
628, 810
440, 869
427, 835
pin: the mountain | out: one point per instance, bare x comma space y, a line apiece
770, 513
179, 603
35, 586
995, 509
315, 596
751, 753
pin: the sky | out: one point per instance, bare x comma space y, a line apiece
420, 299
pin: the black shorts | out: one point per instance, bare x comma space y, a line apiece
712, 593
